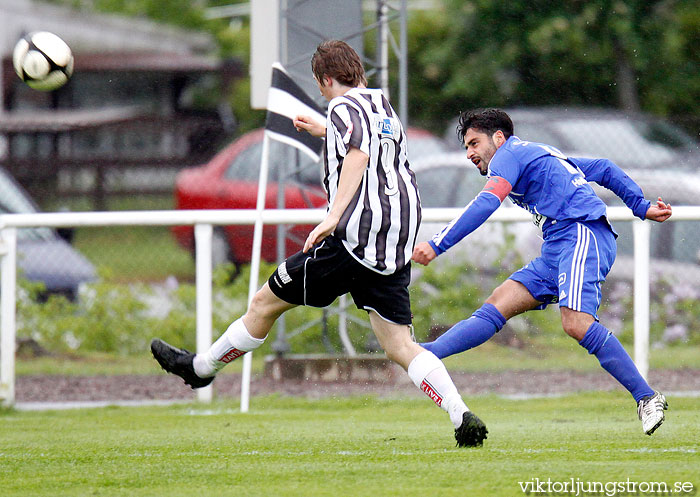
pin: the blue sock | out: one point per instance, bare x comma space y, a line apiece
615, 360
467, 334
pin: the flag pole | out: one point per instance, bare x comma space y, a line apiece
285, 100
255, 264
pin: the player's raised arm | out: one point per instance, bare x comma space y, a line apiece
314, 128
609, 175
659, 212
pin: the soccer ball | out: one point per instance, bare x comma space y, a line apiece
43, 61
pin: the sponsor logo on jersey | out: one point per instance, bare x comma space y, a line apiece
231, 355
539, 220
579, 181
387, 127
430, 392
562, 295
562, 278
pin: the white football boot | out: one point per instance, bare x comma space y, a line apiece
651, 412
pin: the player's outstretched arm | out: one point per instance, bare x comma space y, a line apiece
473, 216
659, 212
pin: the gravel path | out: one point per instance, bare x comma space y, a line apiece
56, 388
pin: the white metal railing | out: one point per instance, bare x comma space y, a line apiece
203, 221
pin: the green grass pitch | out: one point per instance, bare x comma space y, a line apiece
359, 446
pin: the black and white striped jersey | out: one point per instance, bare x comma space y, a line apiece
380, 224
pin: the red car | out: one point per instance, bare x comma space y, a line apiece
230, 181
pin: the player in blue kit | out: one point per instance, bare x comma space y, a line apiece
578, 251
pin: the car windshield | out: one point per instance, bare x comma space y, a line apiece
448, 186
14, 201
631, 143
299, 166
616, 139
537, 133
423, 146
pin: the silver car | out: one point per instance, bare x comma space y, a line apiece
42, 255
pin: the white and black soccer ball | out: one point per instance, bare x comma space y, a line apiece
43, 61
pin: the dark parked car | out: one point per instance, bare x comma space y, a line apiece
42, 255
230, 181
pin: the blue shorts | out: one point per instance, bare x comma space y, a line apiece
575, 261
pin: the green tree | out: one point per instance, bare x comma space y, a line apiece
633, 54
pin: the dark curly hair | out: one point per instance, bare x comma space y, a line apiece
486, 121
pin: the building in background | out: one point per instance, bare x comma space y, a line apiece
143, 102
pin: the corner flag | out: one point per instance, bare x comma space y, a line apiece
285, 101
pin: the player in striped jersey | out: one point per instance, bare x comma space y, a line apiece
578, 251
362, 247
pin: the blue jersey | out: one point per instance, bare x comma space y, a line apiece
551, 186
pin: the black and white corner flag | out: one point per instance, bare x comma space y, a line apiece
285, 101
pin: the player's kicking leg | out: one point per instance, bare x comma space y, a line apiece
599, 341
650, 410
429, 374
586, 256
178, 362
243, 335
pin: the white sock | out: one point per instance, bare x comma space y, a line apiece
430, 375
235, 342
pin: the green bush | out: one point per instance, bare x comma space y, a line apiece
119, 318
115, 317
674, 311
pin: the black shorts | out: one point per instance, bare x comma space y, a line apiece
325, 272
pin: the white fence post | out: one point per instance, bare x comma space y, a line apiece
203, 234
343, 326
8, 333
641, 231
